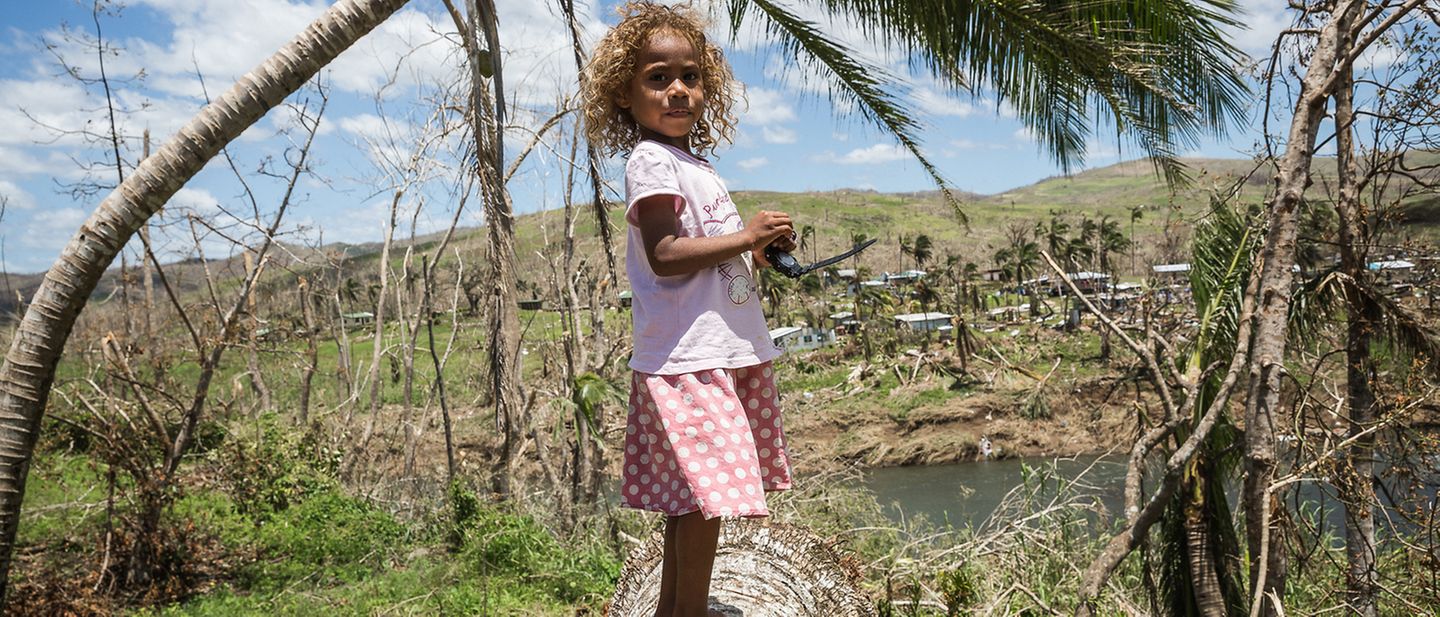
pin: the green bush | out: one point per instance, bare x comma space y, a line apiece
329, 535
504, 545
265, 471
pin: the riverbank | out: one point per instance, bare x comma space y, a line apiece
937, 418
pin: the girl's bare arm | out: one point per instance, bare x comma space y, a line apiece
671, 254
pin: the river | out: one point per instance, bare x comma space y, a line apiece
966, 494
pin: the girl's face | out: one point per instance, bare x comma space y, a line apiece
665, 96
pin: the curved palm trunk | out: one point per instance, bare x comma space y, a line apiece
29, 367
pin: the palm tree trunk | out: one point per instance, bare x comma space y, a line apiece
29, 367
487, 122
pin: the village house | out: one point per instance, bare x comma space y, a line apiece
796, 338
920, 322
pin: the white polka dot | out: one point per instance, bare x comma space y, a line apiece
729, 405
712, 463
664, 476
764, 432
752, 403
717, 392
661, 390
644, 459
754, 383
630, 449
684, 493
634, 489
630, 429
704, 481
674, 437
650, 405
779, 443
754, 424
644, 418
739, 473
691, 432
764, 452
764, 413
749, 489
674, 484
665, 422
682, 452
769, 371
725, 511
767, 393
701, 448
672, 404
715, 496
680, 416
633, 469
733, 493
744, 508
722, 478
655, 488
645, 479
693, 466
704, 377
659, 458
745, 455
708, 426
645, 499
729, 457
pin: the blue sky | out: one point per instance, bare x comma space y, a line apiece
791, 137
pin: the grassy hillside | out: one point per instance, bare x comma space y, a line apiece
1111, 191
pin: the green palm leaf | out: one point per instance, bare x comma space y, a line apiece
1160, 70
856, 82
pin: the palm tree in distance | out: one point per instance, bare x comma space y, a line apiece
921, 251
905, 248
1136, 213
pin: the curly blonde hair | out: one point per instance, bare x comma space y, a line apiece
613, 66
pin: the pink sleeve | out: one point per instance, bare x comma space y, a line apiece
650, 171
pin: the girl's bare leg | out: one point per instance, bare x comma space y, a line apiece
695, 542
667, 571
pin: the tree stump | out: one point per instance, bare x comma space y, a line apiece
760, 571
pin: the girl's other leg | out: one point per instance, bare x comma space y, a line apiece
695, 542
666, 607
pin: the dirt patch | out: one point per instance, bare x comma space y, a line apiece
1084, 417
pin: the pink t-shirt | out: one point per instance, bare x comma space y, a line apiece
704, 320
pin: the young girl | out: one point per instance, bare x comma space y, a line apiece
703, 437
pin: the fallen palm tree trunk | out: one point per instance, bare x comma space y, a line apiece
759, 570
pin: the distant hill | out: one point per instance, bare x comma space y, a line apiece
839, 214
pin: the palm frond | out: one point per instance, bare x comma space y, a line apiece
1161, 70
855, 81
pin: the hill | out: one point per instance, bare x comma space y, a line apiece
1114, 191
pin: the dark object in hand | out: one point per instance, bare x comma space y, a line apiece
786, 264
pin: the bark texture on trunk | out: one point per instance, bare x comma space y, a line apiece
29, 367
759, 570
1357, 492
487, 109
1268, 563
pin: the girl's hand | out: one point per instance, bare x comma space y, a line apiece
767, 226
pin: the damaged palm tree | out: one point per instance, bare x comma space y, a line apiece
759, 570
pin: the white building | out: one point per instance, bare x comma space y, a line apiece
795, 338
921, 322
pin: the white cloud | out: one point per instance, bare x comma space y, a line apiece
16, 197
46, 233
876, 154
778, 135
767, 107
937, 103
1024, 134
1261, 22
753, 164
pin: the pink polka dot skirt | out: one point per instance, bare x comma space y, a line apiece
708, 441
